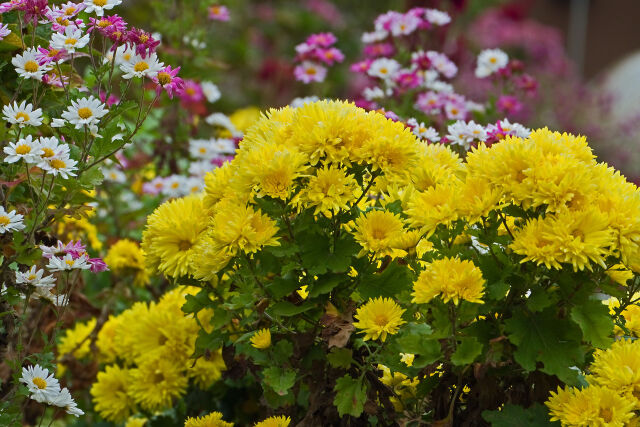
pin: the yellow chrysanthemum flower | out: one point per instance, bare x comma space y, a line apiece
477, 199
278, 421
172, 231
619, 274
236, 228
329, 191
261, 339
532, 242
156, 383
77, 341
618, 369
592, 406
105, 342
207, 370
126, 258
217, 185
451, 278
123, 341
403, 387
135, 422
434, 206
110, 394
213, 419
244, 118
379, 232
379, 317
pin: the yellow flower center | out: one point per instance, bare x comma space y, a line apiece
493, 60
164, 78
70, 11
52, 53
191, 91
31, 66
384, 70
71, 42
69, 262
140, 66
100, 2
104, 23
311, 71
31, 277
215, 10
22, 115
23, 149
47, 152
454, 111
4, 220
184, 245
606, 414
144, 38
85, 112
195, 189
175, 185
58, 164
202, 150
40, 383
381, 320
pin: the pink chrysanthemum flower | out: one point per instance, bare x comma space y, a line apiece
509, 104
111, 101
308, 72
361, 66
167, 79
408, 79
108, 24
50, 55
219, 13
329, 56
97, 265
8, 6
34, 9
321, 40
53, 79
379, 49
143, 41
191, 91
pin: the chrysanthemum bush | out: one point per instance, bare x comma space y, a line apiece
353, 273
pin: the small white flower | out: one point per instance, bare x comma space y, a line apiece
99, 6
71, 40
421, 131
138, 66
175, 186
437, 17
35, 277
10, 221
384, 68
463, 134
194, 184
58, 123
490, 61
440, 87
42, 385
62, 165
371, 93
221, 120
404, 25
51, 148
374, 36
114, 175
45, 293
27, 65
68, 263
65, 400
201, 167
25, 149
299, 102
22, 114
211, 91
85, 111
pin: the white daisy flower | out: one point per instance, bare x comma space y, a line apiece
421, 131
62, 165
138, 66
404, 25
25, 149
476, 131
10, 221
224, 146
65, 400
459, 135
35, 277
51, 148
490, 61
299, 102
114, 175
58, 123
211, 91
45, 293
71, 40
99, 6
221, 120
27, 65
22, 114
85, 111
175, 186
374, 36
437, 17
371, 93
42, 385
194, 184
201, 167
68, 263
384, 68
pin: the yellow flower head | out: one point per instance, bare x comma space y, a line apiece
278, 421
172, 231
379, 232
213, 419
261, 339
591, 406
77, 340
110, 394
451, 278
330, 190
434, 206
379, 317
125, 257
135, 422
618, 368
105, 342
206, 370
619, 274
156, 383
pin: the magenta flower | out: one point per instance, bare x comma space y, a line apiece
167, 79
34, 9
379, 49
191, 91
53, 79
308, 72
219, 13
47, 56
4, 31
509, 105
8, 6
527, 83
361, 66
143, 41
321, 40
429, 102
111, 101
408, 79
107, 25
329, 56
75, 249
97, 265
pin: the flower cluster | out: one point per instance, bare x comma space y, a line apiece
318, 49
45, 388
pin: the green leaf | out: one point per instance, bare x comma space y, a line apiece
593, 318
195, 303
279, 379
325, 284
540, 299
517, 416
350, 396
282, 351
287, 309
340, 357
392, 281
282, 286
545, 337
417, 339
91, 178
468, 349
